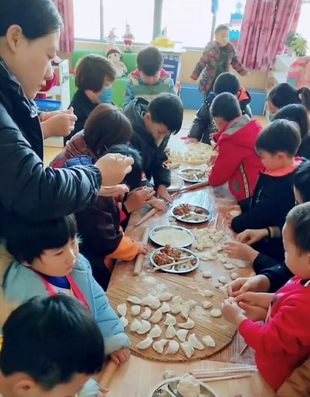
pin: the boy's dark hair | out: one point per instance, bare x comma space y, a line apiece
226, 105
42, 338
167, 109
298, 114
36, 18
106, 126
302, 181
133, 179
279, 136
149, 61
26, 240
284, 94
226, 82
221, 27
91, 70
299, 219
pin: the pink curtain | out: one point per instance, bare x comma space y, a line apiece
264, 28
65, 9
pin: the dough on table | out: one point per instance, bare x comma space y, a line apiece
134, 299
188, 386
145, 343
187, 349
144, 328
156, 317
173, 347
207, 274
135, 310
188, 325
207, 304
208, 341
216, 313
146, 314
207, 293
194, 342
159, 345
155, 331
122, 309
182, 334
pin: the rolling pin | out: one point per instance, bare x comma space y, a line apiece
108, 373
140, 257
149, 215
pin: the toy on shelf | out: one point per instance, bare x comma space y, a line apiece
163, 40
114, 55
128, 38
111, 38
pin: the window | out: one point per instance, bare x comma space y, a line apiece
87, 21
303, 23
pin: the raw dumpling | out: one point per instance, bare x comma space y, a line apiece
157, 316
122, 309
173, 347
187, 349
134, 299
207, 274
218, 285
185, 311
124, 321
165, 308
169, 374
148, 300
222, 280
159, 345
144, 328
165, 296
156, 304
155, 331
207, 293
191, 303
189, 324
208, 341
188, 387
170, 320
234, 275
176, 300
223, 259
229, 266
216, 313
135, 325
135, 310
176, 308
182, 334
145, 343
206, 304
194, 342
171, 332
223, 289
146, 314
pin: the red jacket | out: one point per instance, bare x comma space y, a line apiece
237, 162
282, 344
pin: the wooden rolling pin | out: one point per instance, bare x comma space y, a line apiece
108, 373
149, 215
140, 257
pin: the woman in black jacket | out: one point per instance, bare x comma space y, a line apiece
29, 37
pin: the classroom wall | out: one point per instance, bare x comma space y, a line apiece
256, 79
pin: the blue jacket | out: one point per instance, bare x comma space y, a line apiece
21, 284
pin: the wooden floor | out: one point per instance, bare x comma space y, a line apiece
50, 152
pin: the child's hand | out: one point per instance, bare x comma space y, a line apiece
192, 81
191, 140
143, 248
158, 204
254, 313
243, 284
260, 299
102, 392
251, 236
232, 312
138, 198
162, 193
240, 251
121, 356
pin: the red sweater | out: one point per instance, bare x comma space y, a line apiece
283, 342
237, 162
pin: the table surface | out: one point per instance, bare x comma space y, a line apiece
147, 373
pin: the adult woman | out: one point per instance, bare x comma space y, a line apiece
29, 36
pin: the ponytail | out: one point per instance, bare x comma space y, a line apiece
304, 95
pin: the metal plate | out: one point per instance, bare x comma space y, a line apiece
186, 173
167, 227
168, 388
176, 183
185, 268
196, 215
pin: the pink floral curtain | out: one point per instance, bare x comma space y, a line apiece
264, 28
65, 8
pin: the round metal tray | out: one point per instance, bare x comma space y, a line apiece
186, 268
168, 388
169, 227
193, 217
182, 174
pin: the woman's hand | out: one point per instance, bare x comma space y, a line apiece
113, 167
121, 356
138, 198
240, 251
162, 193
113, 191
60, 123
251, 236
259, 283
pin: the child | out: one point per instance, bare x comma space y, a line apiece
203, 124
149, 79
47, 262
153, 123
103, 240
216, 59
273, 196
93, 78
39, 359
283, 343
236, 161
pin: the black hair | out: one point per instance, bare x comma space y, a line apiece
279, 136
221, 27
167, 109
298, 114
51, 340
226, 82
299, 219
284, 94
26, 240
36, 18
226, 105
302, 181
149, 61
133, 179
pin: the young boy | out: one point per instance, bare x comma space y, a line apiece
203, 124
149, 79
93, 78
283, 343
153, 123
236, 161
273, 196
216, 59
39, 359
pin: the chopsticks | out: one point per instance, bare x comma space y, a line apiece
190, 188
172, 264
229, 373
